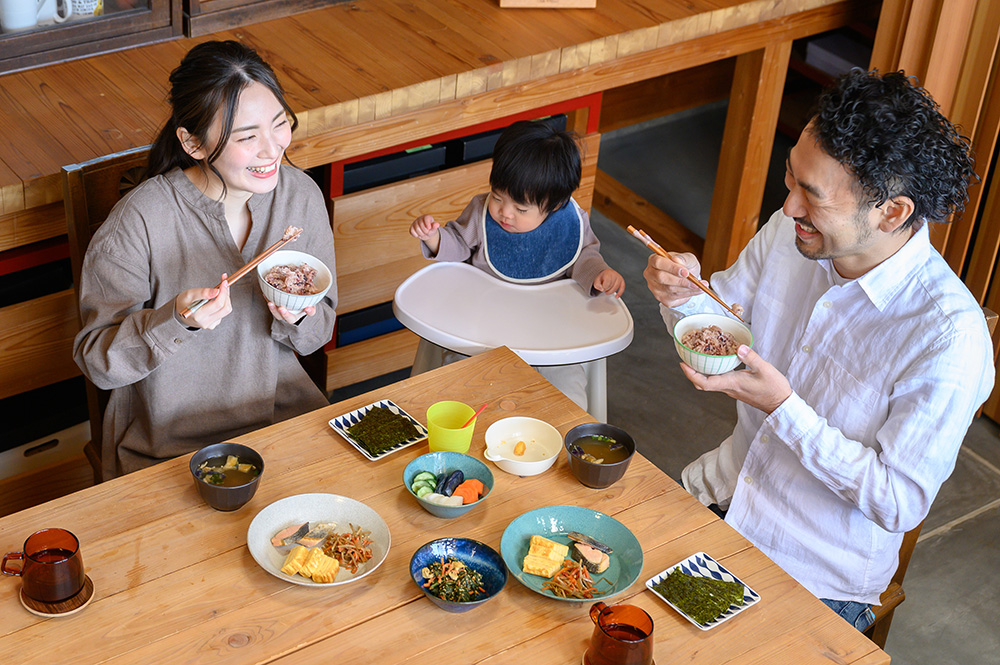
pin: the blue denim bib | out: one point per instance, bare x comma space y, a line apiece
537, 255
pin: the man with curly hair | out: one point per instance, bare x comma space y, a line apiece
871, 356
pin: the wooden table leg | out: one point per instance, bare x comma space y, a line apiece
758, 83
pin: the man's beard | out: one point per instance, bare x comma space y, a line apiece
863, 230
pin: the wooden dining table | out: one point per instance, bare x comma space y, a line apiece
175, 582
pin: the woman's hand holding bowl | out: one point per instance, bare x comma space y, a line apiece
287, 315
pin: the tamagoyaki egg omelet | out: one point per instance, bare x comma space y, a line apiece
294, 560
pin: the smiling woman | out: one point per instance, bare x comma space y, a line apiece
216, 195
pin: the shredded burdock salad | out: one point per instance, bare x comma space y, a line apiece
350, 549
573, 581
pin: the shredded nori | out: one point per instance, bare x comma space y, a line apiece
701, 598
380, 429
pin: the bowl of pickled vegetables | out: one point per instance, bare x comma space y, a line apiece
448, 484
458, 574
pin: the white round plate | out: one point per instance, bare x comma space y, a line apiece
315, 508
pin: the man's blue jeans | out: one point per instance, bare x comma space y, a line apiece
858, 615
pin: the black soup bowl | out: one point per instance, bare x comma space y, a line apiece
221, 497
592, 474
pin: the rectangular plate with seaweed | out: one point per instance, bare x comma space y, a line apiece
702, 565
342, 423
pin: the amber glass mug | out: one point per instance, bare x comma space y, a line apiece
51, 566
623, 635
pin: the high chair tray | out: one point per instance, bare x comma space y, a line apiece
464, 309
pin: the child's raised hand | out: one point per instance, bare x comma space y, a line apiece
609, 281
426, 229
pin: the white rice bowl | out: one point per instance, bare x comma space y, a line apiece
703, 362
291, 257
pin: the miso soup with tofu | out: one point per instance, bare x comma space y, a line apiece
227, 471
599, 449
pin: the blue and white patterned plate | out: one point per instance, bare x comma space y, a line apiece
341, 423
702, 565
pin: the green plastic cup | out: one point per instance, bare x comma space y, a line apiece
444, 426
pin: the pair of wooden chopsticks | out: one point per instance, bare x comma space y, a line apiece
652, 244
287, 238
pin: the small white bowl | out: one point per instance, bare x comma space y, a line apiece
291, 257
542, 445
703, 362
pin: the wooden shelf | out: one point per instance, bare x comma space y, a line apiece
124, 23
202, 17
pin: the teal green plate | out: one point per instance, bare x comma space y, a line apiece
554, 522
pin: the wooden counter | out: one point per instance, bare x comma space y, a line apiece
368, 75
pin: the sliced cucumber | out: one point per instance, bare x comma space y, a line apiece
425, 475
423, 491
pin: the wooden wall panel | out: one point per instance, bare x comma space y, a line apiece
949, 47
892, 22
953, 49
32, 488
371, 227
25, 227
982, 216
369, 358
977, 111
371, 230
36, 343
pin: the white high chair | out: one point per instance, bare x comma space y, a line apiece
463, 309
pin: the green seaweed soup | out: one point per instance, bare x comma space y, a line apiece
227, 471
599, 449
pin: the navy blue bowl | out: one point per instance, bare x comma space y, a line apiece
476, 555
226, 498
598, 476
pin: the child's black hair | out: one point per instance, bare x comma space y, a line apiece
534, 163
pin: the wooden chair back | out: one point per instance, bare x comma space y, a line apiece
90, 190
890, 599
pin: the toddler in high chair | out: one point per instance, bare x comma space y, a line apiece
528, 229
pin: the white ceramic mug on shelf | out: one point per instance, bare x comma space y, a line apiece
55, 11
21, 14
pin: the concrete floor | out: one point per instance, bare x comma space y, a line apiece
948, 618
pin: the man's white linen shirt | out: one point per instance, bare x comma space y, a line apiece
886, 372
